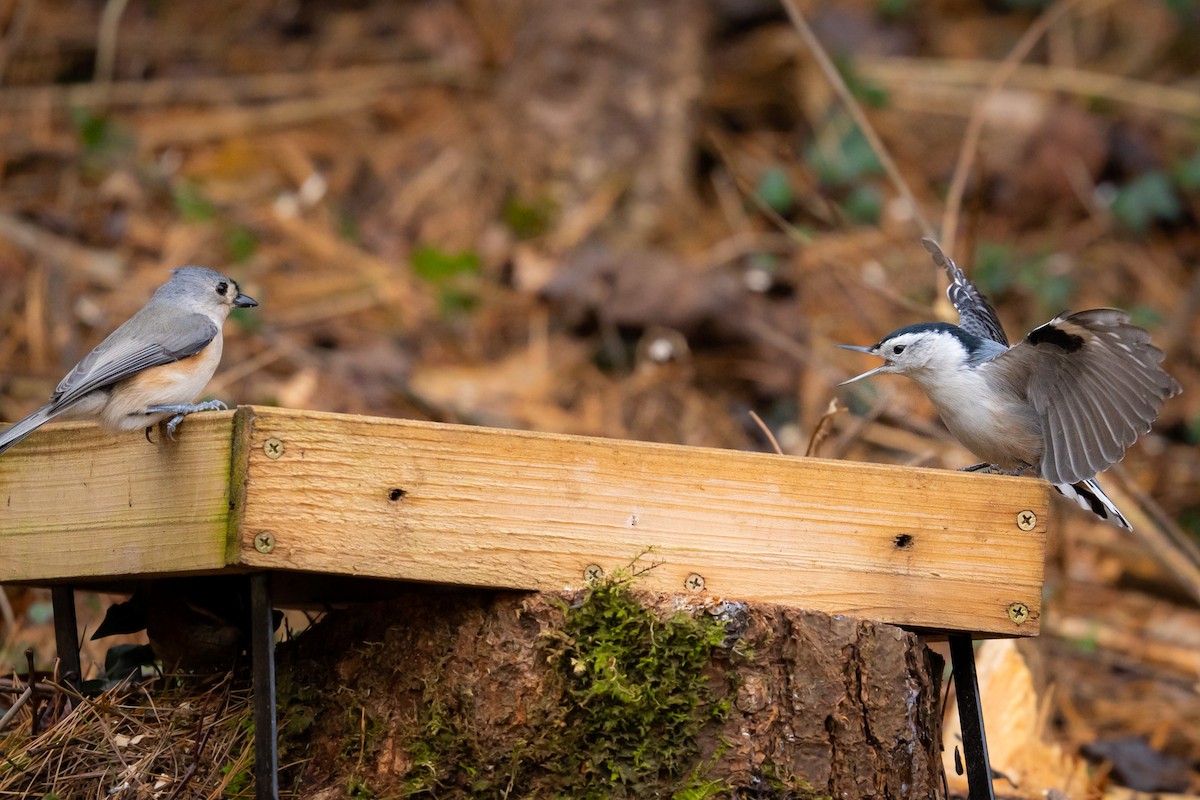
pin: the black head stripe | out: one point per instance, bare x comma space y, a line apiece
969, 342
1054, 335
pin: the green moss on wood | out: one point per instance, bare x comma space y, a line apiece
634, 696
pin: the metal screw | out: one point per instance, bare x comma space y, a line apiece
592, 573
264, 542
1018, 613
694, 582
273, 447
1026, 520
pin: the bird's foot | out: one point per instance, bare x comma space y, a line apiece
181, 411
995, 469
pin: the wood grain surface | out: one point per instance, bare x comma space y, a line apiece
463, 505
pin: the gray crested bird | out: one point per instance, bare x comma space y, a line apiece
153, 366
1066, 402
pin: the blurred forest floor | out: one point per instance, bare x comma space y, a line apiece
639, 220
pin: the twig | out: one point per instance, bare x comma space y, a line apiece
970, 142
1167, 543
14, 34
767, 432
786, 344
33, 708
16, 706
857, 114
791, 231
202, 735
6, 613
103, 266
821, 431
959, 82
106, 40
224, 122
230, 89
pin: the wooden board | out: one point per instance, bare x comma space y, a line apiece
75, 501
533, 511
417, 501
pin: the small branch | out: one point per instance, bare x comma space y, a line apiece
954, 85
202, 734
14, 34
10, 619
821, 431
788, 229
106, 40
970, 142
857, 114
767, 432
102, 266
230, 90
1168, 544
33, 709
16, 706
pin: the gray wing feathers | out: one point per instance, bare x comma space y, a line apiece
975, 315
152, 337
1095, 382
19, 430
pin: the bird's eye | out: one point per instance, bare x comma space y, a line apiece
898, 349
222, 288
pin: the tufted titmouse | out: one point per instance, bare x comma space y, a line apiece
153, 366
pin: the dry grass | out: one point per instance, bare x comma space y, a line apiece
130, 743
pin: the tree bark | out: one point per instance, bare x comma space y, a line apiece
452, 693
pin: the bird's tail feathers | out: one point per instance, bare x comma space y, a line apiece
19, 430
1091, 497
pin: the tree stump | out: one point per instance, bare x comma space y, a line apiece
460, 693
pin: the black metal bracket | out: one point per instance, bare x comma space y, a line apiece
66, 635
262, 654
970, 716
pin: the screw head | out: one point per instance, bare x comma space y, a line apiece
694, 582
1018, 612
1026, 520
264, 542
273, 447
592, 573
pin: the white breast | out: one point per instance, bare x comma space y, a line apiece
996, 425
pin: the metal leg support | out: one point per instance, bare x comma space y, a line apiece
262, 640
970, 715
66, 635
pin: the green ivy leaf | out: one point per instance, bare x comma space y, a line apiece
1145, 200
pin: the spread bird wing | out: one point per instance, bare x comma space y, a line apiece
1095, 382
152, 337
975, 315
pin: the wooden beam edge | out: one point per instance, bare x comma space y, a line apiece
240, 431
263, 415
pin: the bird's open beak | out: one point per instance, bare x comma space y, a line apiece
244, 301
861, 349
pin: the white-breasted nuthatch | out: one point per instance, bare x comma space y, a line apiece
1066, 402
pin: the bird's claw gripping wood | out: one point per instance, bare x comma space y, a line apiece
987, 468
181, 411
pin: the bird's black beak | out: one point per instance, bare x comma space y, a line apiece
861, 349
244, 301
